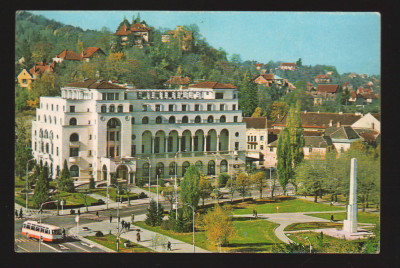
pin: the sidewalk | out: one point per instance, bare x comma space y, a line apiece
147, 237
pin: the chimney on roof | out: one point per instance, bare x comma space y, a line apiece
338, 124
330, 123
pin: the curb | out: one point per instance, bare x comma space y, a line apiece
94, 243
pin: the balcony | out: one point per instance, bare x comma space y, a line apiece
74, 144
74, 159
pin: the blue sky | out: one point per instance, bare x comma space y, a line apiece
348, 40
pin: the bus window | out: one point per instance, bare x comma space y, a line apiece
57, 232
37, 228
24, 225
42, 229
47, 231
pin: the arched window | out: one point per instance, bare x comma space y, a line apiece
47, 148
199, 165
120, 108
74, 137
145, 169
35, 132
46, 134
41, 133
133, 120
45, 119
104, 108
51, 134
222, 119
234, 96
55, 120
145, 120
158, 120
72, 121
211, 168
74, 171
172, 120
185, 166
210, 119
185, 119
172, 168
50, 119
112, 108
160, 170
197, 119
113, 123
224, 166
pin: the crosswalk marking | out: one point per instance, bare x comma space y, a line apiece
63, 247
78, 247
22, 240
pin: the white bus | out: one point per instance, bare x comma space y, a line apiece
48, 232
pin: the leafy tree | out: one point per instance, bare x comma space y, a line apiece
21, 99
170, 195
205, 188
154, 216
190, 191
257, 112
290, 248
284, 154
259, 180
22, 152
278, 109
218, 226
299, 63
48, 84
84, 195
223, 179
65, 182
243, 183
41, 192
311, 177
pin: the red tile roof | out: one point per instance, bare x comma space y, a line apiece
95, 84
90, 51
41, 67
213, 85
138, 27
123, 30
178, 80
255, 122
69, 55
288, 64
327, 88
321, 120
324, 76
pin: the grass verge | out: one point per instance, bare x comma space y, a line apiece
109, 241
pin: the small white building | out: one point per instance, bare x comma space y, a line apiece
257, 139
101, 128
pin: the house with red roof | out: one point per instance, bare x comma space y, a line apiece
324, 92
179, 82
91, 53
25, 78
67, 55
322, 78
288, 66
139, 31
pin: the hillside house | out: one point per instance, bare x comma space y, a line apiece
25, 79
322, 78
67, 55
140, 32
324, 92
288, 66
342, 137
92, 53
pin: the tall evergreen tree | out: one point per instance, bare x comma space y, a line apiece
296, 135
22, 152
248, 99
154, 218
41, 193
65, 182
285, 168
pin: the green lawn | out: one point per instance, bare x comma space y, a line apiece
112, 192
109, 241
289, 205
153, 189
312, 225
252, 235
20, 183
363, 217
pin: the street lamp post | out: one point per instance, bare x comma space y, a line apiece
148, 159
40, 218
194, 244
26, 185
309, 243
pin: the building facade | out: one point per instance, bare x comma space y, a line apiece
257, 138
101, 128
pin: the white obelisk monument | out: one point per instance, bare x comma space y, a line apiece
350, 225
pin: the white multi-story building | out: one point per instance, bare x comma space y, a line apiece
101, 128
257, 139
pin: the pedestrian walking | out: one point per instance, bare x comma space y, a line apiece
79, 212
169, 246
16, 213
97, 214
110, 218
128, 225
20, 212
332, 218
256, 213
138, 236
63, 232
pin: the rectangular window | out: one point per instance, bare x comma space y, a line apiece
35, 146
104, 96
235, 119
52, 107
142, 149
130, 108
234, 107
57, 108
120, 108
90, 137
89, 122
57, 151
261, 147
255, 138
310, 150
184, 107
73, 152
219, 96
236, 146
24, 81
197, 107
112, 136
171, 107
221, 107
209, 107
116, 96
144, 108
72, 109
110, 96
90, 153
261, 138
158, 107
271, 149
133, 150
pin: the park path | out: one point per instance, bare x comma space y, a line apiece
149, 239
286, 219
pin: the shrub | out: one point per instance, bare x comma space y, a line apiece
142, 195
168, 225
100, 201
99, 234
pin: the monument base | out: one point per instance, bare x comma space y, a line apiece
349, 226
